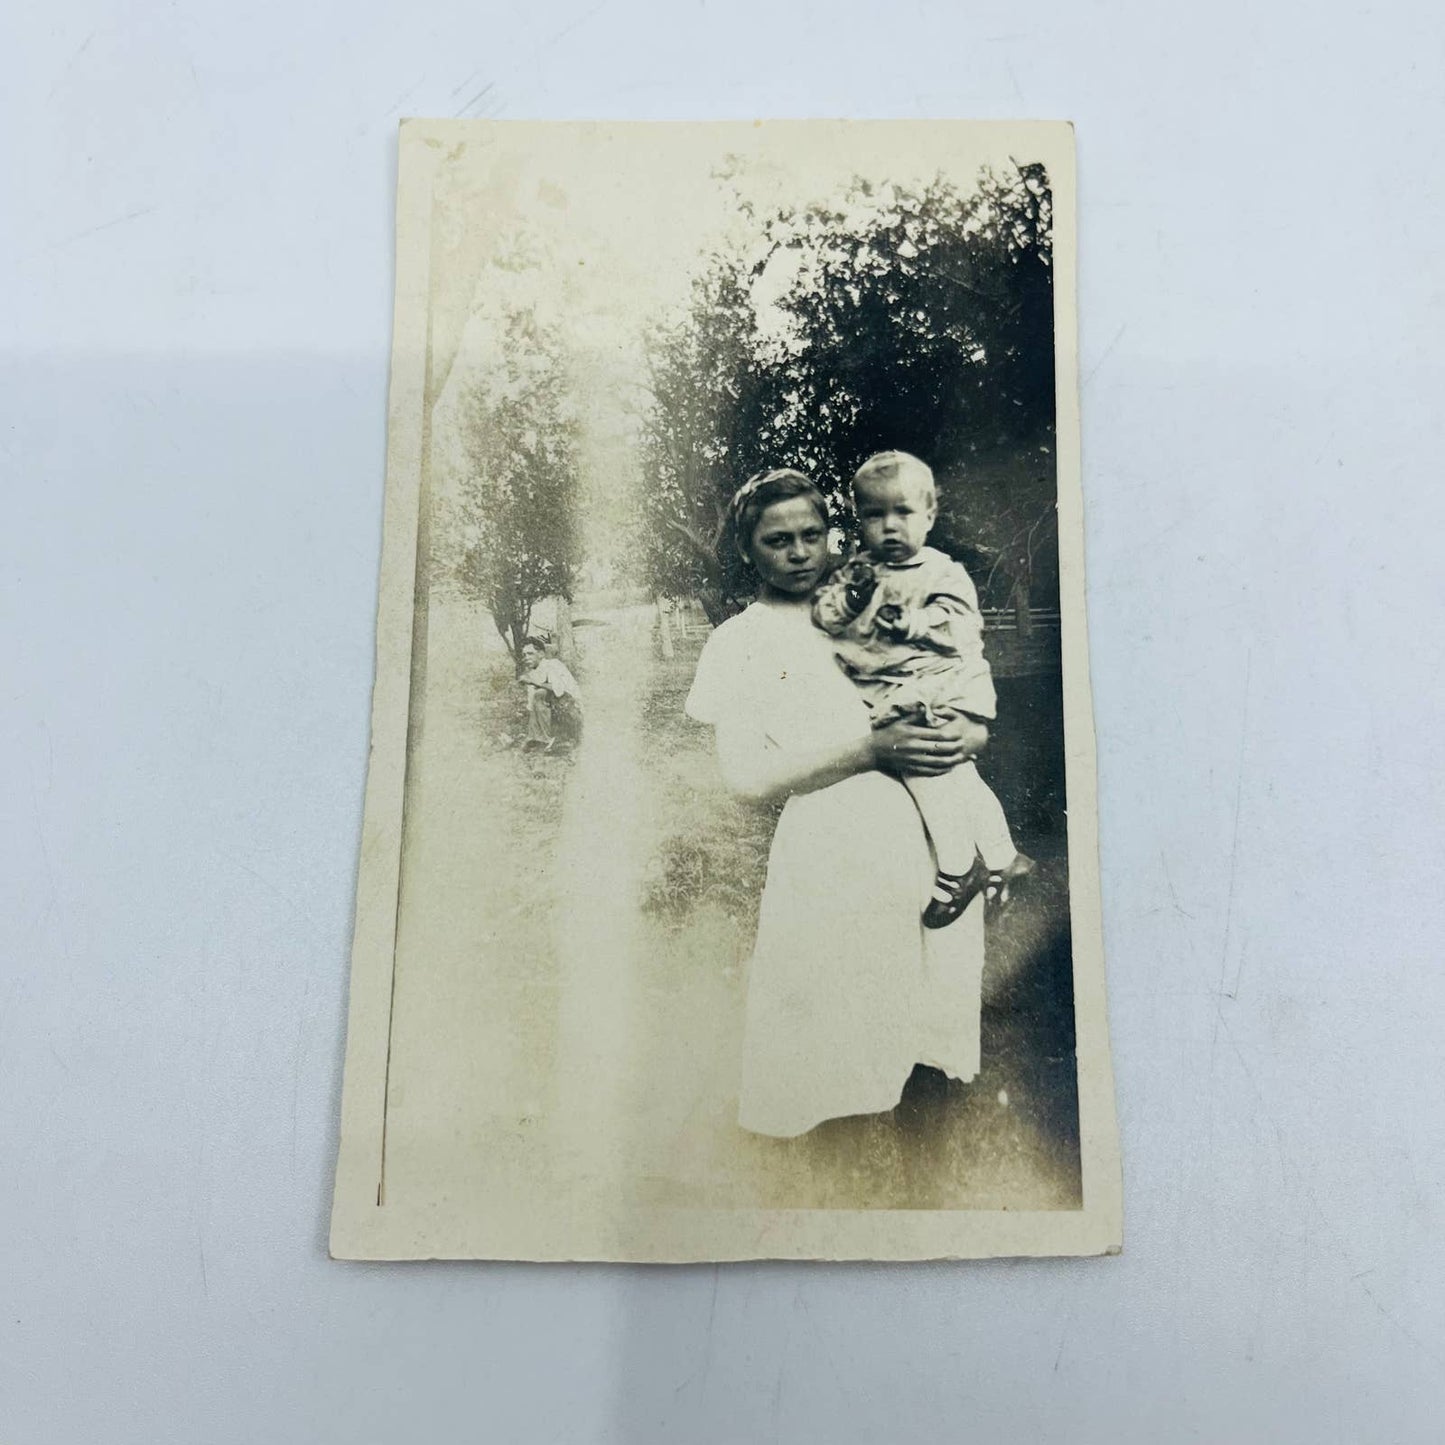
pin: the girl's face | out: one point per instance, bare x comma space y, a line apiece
789, 547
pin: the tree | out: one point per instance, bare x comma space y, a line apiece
916, 319
702, 435
518, 512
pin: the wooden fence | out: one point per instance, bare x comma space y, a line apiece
1013, 651
1030, 650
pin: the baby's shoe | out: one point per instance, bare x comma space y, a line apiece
953, 892
1002, 883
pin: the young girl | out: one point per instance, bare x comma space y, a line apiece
908, 631
846, 993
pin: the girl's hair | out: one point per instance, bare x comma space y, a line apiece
748, 504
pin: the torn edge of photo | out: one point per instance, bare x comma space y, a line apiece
729, 884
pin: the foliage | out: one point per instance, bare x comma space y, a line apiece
916, 319
703, 434
685, 874
518, 497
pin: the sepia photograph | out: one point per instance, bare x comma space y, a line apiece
675, 720
729, 886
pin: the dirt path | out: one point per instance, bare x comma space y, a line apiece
597, 931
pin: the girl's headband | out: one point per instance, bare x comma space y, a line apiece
754, 484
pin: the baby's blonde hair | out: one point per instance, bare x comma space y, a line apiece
890, 466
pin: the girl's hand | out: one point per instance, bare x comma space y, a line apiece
906, 746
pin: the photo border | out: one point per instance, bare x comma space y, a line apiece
364, 1226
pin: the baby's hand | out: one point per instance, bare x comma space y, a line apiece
892, 619
859, 584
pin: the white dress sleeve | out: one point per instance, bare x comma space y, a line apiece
720, 675
730, 694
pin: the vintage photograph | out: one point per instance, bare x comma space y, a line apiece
729, 883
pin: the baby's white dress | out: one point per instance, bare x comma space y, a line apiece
846, 989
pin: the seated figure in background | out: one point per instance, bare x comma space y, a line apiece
554, 705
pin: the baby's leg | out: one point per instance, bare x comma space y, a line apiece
1008, 868
944, 803
986, 817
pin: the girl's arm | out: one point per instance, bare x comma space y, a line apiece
753, 769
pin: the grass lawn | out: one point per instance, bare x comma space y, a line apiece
604, 906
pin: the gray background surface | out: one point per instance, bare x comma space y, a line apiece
194, 329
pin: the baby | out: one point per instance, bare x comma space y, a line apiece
909, 633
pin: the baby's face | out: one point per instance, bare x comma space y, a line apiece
894, 516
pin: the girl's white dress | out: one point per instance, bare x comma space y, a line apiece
846, 990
